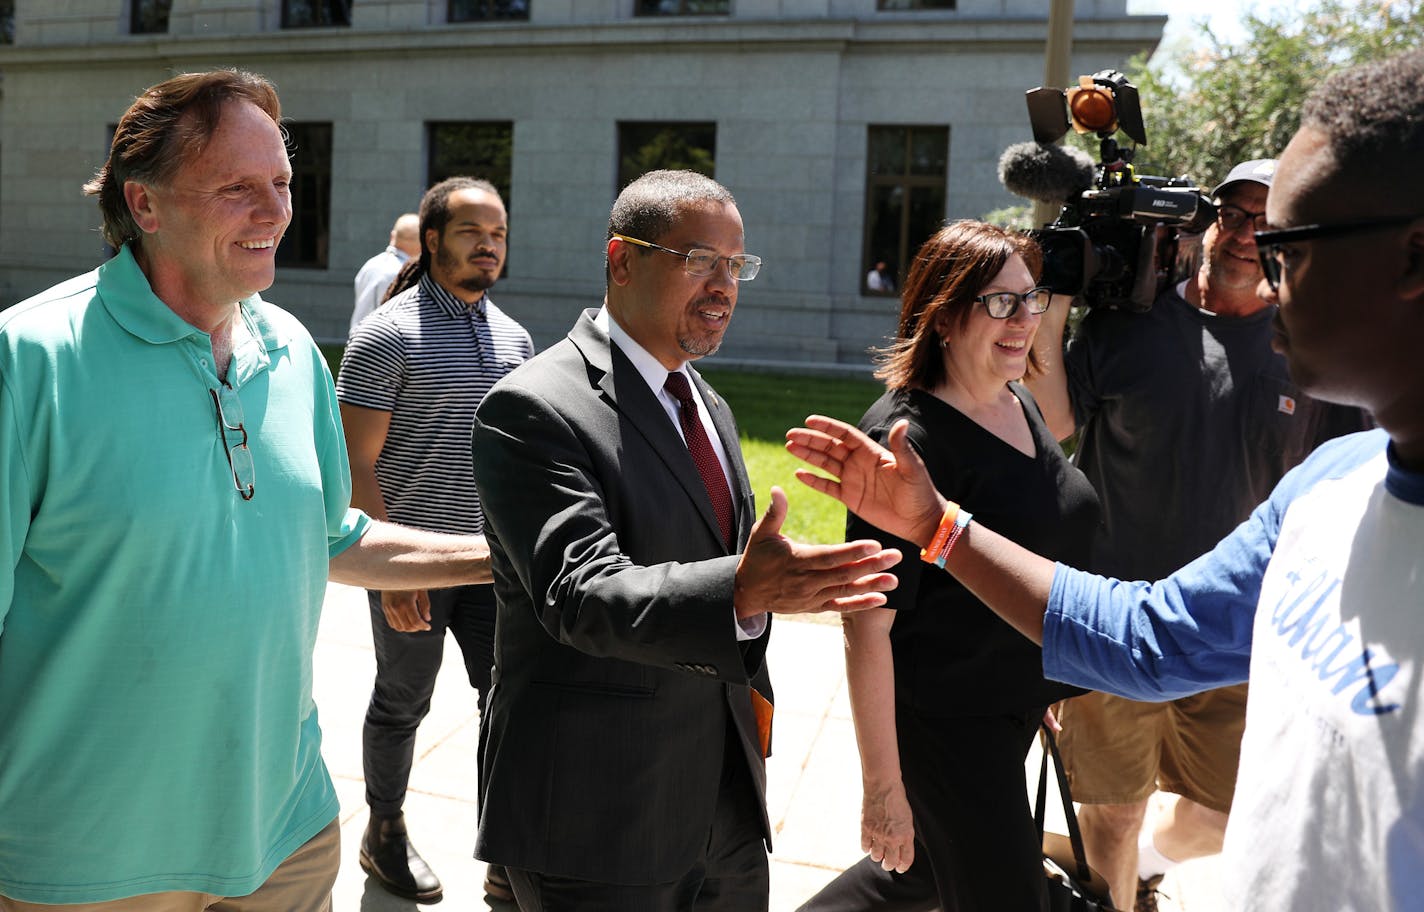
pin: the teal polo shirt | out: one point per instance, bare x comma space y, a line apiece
157, 729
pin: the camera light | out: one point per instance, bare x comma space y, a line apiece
1092, 108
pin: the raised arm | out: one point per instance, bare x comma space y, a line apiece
1050, 385
889, 488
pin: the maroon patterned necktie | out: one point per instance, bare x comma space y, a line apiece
702, 453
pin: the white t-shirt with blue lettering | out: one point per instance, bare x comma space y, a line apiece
1321, 594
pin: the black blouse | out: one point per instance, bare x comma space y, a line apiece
953, 656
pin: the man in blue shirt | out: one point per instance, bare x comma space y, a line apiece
1315, 596
174, 493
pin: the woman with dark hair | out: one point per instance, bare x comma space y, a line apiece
946, 697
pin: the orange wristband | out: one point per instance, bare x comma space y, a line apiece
942, 533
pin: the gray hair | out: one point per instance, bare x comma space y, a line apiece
648, 207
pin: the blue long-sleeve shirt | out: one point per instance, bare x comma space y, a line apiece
1318, 598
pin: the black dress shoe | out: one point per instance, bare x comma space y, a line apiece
388, 856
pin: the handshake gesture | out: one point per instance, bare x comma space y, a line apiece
890, 488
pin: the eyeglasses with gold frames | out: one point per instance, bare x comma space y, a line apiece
239, 457
743, 267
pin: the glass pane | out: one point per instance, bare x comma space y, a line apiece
887, 150
929, 151
474, 149
682, 8
882, 229
914, 4
644, 147
307, 13
480, 10
309, 235
926, 216
7, 21
149, 16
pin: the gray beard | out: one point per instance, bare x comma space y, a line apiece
699, 349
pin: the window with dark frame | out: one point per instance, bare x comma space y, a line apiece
682, 7
486, 10
308, 237
907, 169
893, 5
482, 149
315, 13
149, 17
7, 21
645, 146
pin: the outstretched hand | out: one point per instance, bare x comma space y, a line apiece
887, 487
786, 577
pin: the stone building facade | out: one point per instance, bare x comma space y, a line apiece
806, 107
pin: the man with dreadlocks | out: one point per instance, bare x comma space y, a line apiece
413, 373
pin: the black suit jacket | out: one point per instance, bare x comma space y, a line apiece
617, 667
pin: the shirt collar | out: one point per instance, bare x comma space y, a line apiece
649, 368
398, 253
1406, 485
448, 302
129, 299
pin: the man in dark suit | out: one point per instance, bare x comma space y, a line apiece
622, 748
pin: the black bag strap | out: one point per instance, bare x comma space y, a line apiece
1075, 835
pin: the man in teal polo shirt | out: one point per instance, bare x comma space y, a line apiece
174, 494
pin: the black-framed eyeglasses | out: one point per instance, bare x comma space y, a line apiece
743, 267
1270, 244
1004, 304
1231, 217
239, 457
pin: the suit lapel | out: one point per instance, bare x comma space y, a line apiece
621, 384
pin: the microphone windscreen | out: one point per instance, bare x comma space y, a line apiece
1045, 173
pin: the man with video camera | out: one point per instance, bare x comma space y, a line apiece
1187, 420
1315, 596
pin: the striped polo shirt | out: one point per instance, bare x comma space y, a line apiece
428, 358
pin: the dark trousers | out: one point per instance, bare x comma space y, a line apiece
406, 666
731, 876
976, 848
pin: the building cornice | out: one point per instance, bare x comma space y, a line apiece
803, 36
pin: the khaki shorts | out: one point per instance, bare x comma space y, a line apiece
302, 883
1118, 751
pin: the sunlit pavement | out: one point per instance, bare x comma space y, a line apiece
813, 776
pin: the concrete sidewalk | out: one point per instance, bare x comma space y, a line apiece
813, 786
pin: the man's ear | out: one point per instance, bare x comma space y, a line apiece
142, 206
619, 253
432, 240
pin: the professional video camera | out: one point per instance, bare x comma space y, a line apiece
1115, 225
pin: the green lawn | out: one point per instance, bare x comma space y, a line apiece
765, 406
